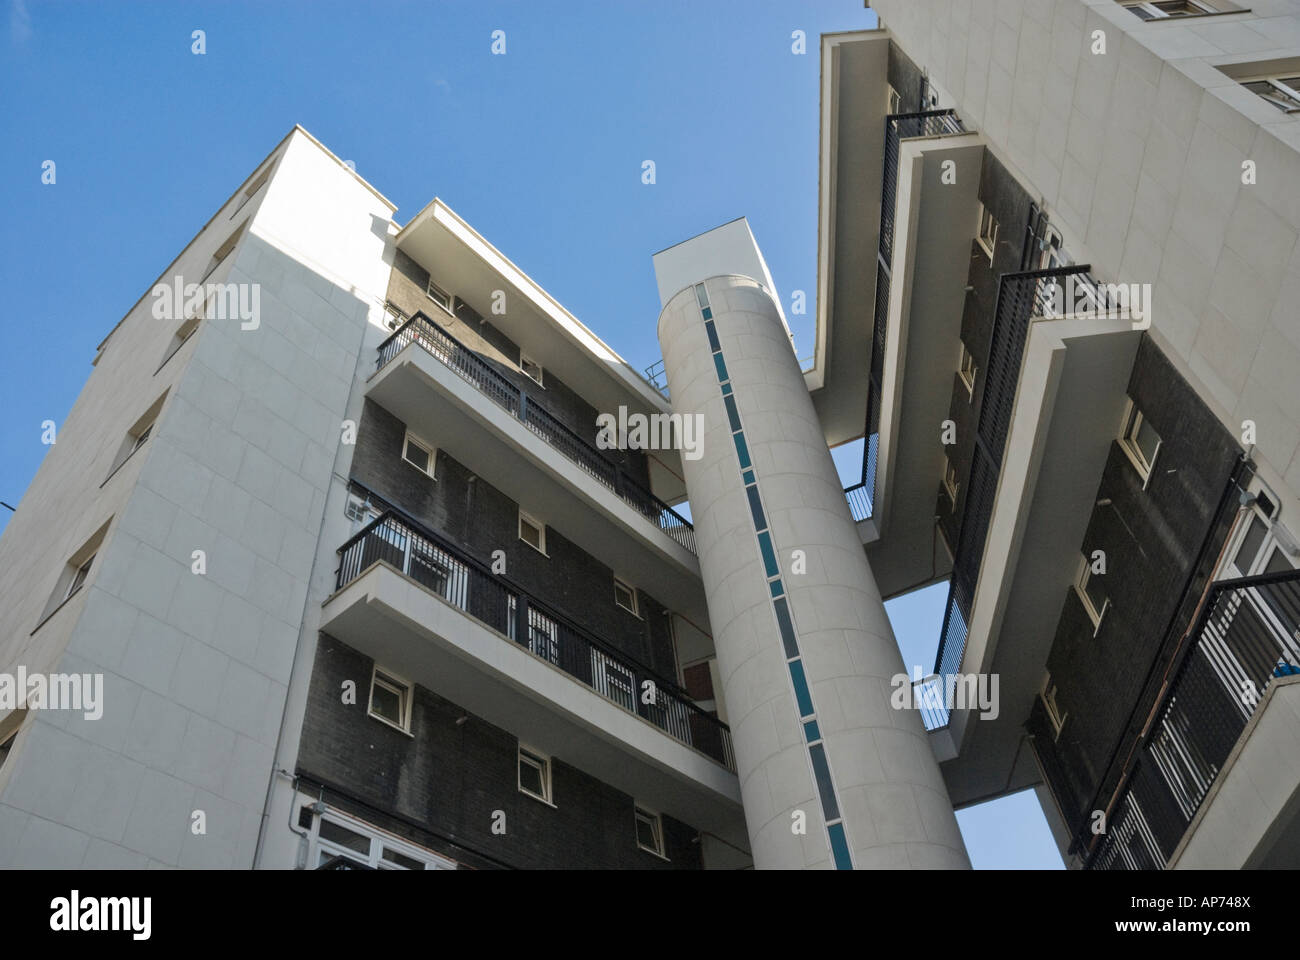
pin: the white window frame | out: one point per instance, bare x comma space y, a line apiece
542, 763
253, 187
405, 690
409, 440
967, 370
987, 233
631, 591
79, 576
438, 295
223, 251
1129, 428
1081, 588
524, 361
1275, 81
1054, 715
532, 521
379, 840
950, 482
894, 101
1151, 7
656, 822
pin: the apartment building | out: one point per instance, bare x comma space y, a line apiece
369, 588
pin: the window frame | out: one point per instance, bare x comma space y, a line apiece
258, 183
1054, 715
218, 257
1275, 80
379, 841
951, 483
430, 287
967, 369
634, 609
1081, 580
79, 576
403, 688
182, 336
540, 546
524, 361
542, 763
988, 241
411, 439
656, 822
1129, 428
1205, 8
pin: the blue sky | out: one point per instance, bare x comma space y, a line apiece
541, 150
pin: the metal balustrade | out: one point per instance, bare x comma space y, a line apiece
469, 585
501, 391
1246, 636
898, 127
1021, 297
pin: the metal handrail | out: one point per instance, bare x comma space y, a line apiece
1247, 634
469, 584
495, 386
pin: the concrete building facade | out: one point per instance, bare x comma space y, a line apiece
371, 583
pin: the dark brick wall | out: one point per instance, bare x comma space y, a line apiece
905, 77
1002, 194
440, 786
1152, 539
480, 519
407, 284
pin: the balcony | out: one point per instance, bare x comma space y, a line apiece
1213, 779
440, 618
474, 369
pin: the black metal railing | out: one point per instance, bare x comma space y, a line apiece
1021, 297
1246, 636
859, 498
501, 391
898, 127
469, 585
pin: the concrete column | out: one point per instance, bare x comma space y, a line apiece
805, 650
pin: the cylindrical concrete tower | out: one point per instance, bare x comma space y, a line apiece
805, 650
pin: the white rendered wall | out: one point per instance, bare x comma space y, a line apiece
1168, 207
196, 666
889, 788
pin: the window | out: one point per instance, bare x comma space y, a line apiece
390, 700
358, 508
223, 251
1054, 714
950, 483
532, 532
74, 574
5, 746
966, 370
332, 834
438, 295
79, 577
988, 234
136, 436
1139, 441
418, 454
1170, 9
183, 333
530, 368
1281, 92
534, 774
624, 596
649, 831
253, 187
894, 100
1088, 586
